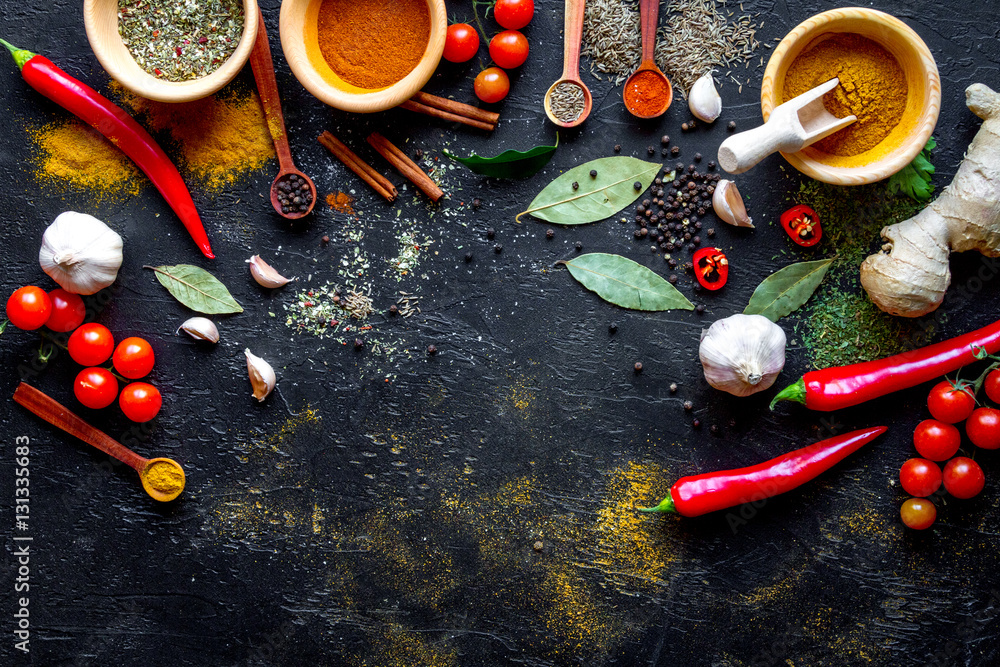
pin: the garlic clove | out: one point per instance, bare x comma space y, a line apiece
742, 354
264, 273
704, 100
200, 328
728, 205
262, 377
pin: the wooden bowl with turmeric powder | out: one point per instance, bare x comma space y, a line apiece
888, 79
363, 55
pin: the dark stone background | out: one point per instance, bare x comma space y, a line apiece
396, 525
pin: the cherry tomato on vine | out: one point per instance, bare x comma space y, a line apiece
920, 477
918, 513
95, 387
992, 385
140, 401
28, 307
461, 44
509, 49
68, 311
983, 428
133, 358
802, 225
492, 85
950, 405
91, 344
963, 478
711, 268
936, 440
514, 14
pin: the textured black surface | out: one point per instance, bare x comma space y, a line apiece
396, 523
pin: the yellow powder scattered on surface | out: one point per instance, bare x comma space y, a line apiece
398, 647
340, 202
71, 154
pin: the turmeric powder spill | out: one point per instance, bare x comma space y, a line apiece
165, 478
70, 154
872, 87
373, 44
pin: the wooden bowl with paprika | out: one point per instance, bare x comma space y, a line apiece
887, 74
363, 55
218, 47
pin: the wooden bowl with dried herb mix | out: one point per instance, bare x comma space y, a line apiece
171, 50
363, 55
888, 79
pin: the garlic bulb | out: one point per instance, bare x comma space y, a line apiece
742, 354
728, 205
262, 377
264, 273
704, 100
200, 328
81, 253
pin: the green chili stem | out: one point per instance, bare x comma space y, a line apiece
666, 505
793, 392
21, 56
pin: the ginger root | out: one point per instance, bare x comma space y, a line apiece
911, 274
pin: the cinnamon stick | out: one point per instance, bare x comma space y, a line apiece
446, 115
376, 180
457, 108
405, 165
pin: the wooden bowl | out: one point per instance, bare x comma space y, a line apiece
922, 105
299, 41
100, 18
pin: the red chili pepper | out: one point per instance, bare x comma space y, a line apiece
844, 386
711, 268
802, 224
111, 120
712, 491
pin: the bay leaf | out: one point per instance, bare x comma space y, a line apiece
625, 283
787, 289
596, 198
510, 163
197, 289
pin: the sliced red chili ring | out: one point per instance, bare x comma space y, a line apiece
711, 268
802, 224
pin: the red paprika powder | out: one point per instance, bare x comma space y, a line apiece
647, 94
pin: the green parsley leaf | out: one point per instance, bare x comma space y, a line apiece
914, 180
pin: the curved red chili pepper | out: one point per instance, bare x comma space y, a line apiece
121, 129
802, 225
711, 268
845, 386
712, 491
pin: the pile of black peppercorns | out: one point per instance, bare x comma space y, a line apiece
672, 216
294, 194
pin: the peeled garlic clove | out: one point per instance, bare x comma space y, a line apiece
200, 328
704, 100
742, 354
728, 204
264, 273
262, 377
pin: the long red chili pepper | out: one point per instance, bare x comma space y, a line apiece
111, 120
844, 386
701, 494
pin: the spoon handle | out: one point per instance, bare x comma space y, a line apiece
648, 12
572, 35
267, 87
59, 416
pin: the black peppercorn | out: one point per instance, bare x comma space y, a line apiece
696, 423
711, 164
692, 124
688, 405
419, 154
637, 185
700, 308
468, 257
664, 152
498, 248
393, 309
675, 150
490, 232
713, 429
638, 367
576, 186
432, 350
612, 328
358, 343
672, 279
697, 157
549, 234
477, 202
664, 140
593, 173
731, 126
638, 233
650, 150
653, 248
579, 246
673, 387
618, 148
684, 127
325, 239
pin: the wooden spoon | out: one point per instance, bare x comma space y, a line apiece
267, 87
572, 34
57, 415
648, 12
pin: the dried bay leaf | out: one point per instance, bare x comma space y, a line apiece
596, 198
787, 289
197, 289
510, 163
625, 283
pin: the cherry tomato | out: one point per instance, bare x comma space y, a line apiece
140, 401
983, 428
91, 344
28, 307
509, 49
68, 311
950, 405
492, 85
461, 44
936, 440
918, 513
95, 387
920, 477
963, 478
802, 225
133, 358
514, 14
711, 268
992, 385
